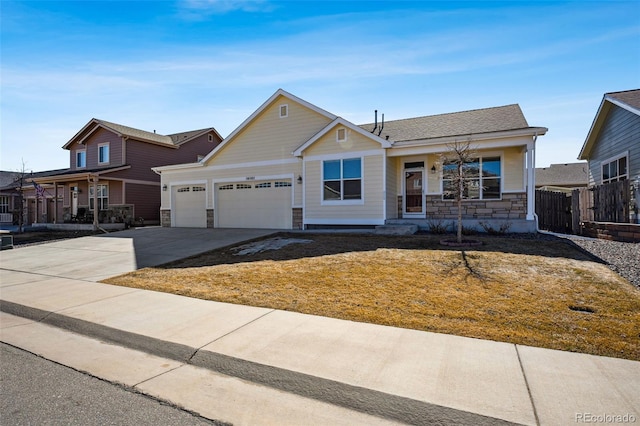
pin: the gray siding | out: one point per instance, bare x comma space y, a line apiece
619, 133
146, 200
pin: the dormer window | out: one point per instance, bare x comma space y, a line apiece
103, 153
284, 111
81, 159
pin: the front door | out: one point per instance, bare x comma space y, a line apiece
413, 193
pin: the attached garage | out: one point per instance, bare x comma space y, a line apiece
254, 204
190, 206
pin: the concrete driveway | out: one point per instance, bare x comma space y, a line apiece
99, 257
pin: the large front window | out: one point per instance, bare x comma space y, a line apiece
615, 170
342, 179
103, 197
481, 179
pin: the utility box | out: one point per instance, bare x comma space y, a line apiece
7, 240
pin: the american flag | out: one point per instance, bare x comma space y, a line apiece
39, 190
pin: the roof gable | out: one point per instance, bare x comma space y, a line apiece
628, 100
339, 121
120, 130
254, 116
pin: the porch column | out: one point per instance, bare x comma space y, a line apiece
95, 203
55, 203
531, 180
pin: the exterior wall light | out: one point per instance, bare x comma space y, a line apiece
164, 187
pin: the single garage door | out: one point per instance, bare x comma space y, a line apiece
190, 206
260, 204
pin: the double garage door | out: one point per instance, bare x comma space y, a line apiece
254, 204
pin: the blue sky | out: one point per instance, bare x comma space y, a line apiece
173, 66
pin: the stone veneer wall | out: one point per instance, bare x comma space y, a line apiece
296, 216
165, 218
626, 232
512, 206
209, 218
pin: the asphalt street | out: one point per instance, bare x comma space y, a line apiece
36, 391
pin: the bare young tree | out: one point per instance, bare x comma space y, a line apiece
456, 173
20, 181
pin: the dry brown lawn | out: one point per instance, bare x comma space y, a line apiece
531, 292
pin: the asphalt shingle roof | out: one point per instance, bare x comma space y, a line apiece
137, 133
629, 97
486, 120
571, 174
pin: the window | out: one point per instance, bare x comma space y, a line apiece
210, 138
263, 185
284, 111
280, 184
615, 170
198, 189
81, 158
103, 197
243, 186
184, 189
482, 179
226, 187
342, 179
341, 135
4, 204
103, 153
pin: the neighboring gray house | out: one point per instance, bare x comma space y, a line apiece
562, 177
612, 147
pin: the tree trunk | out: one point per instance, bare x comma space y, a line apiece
459, 199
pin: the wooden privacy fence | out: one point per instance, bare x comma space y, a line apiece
561, 212
554, 211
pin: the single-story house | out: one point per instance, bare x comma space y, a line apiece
562, 177
110, 178
293, 165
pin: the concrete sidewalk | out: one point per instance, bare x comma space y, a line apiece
249, 365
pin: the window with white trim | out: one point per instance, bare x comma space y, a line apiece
103, 197
284, 110
263, 185
341, 135
281, 184
81, 158
186, 189
615, 169
103, 153
198, 189
342, 179
225, 187
243, 186
482, 179
4, 204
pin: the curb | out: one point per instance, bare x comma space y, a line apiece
380, 404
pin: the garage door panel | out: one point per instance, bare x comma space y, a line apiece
255, 205
190, 206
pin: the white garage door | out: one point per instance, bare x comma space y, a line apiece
190, 206
260, 204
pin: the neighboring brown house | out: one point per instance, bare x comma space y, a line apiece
110, 173
562, 177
